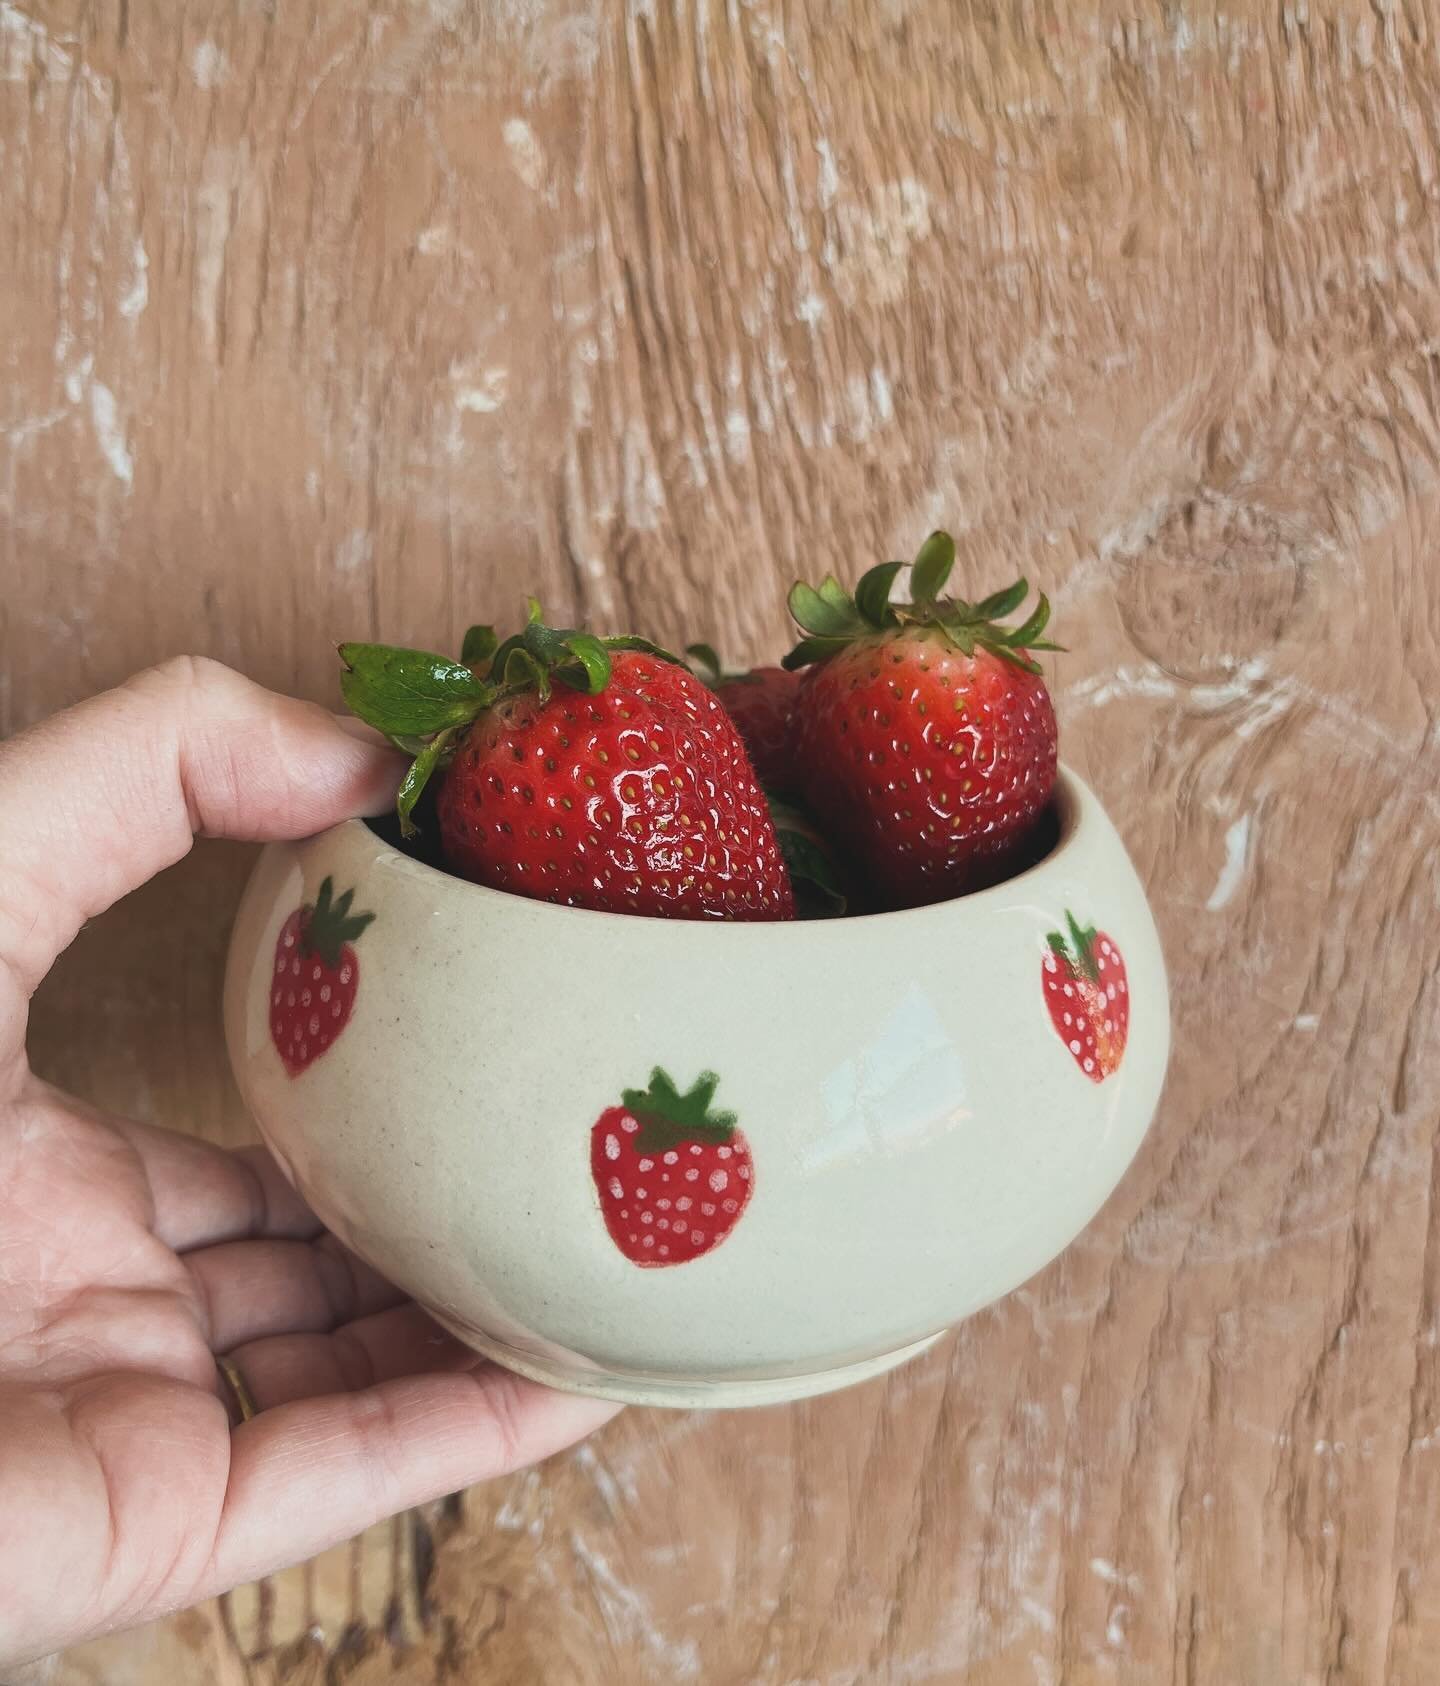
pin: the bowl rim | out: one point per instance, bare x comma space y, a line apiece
1076, 803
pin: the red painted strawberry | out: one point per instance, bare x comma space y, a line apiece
762, 705
312, 989
924, 733
673, 1177
1088, 995
599, 774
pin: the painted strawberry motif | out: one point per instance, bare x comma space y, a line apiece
1088, 995
673, 1177
312, 989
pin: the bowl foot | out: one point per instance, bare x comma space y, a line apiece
691, 1395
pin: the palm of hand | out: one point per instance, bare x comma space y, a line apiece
131, 1257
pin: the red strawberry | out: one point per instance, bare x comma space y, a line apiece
924, 734
1088, 995
762, 705
672, 1176
312, 989
595, 774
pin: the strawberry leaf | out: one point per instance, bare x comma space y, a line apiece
328, 925
479, 645
931, 567
706, 663
418, 776
830, 611
872, 595
590, 671
409, 693
1002, 603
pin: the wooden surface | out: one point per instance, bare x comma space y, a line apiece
320, 319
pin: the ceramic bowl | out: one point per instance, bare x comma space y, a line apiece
927, 1107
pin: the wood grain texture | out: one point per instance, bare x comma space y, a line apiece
321, 320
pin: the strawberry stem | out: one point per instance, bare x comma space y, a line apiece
1078, 952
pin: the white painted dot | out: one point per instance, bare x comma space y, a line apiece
335, 1011
693, 1148
722, 1152
698, 1237
306, 998
346, 974
662, 1205
671, 1157
640, 1194
315, 975
647, 1164
647, 1217
649, 1241
1105, 948
680, 1226
612, 1146
684, 1203
1069, 1018
664, 1252
304, 1051
1100, 965
1089, 1065
324, 992
719, 1180
290, 999
707, 1208
692, 1175
1110, 991
1050, 960
662, 1223
1075, 1046
295, 968
729, 1205
289, 939
1068, 991
280, 964
1122, 986
1109, 1025
743, 1172
314, 1024
617, 1188
624, 1211
633, 1236
276, 998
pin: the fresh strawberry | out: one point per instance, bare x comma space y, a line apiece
598, 774
316, 976
1088, 995
673, 1177
762, 705
924, 733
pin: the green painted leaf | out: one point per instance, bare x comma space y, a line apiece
409, 693
667, 1118
931, 567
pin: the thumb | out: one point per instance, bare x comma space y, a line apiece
98, 799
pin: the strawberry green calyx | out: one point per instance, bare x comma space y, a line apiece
327, 925
668, 1119
705, 664
422, 702
1079, 952
832, 618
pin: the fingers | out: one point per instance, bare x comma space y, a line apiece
251, 1289
205, 1194
402, 1341
306, 1475
101, 797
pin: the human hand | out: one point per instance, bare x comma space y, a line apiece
130, 1256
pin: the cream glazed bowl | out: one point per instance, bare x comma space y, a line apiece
689, 1164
